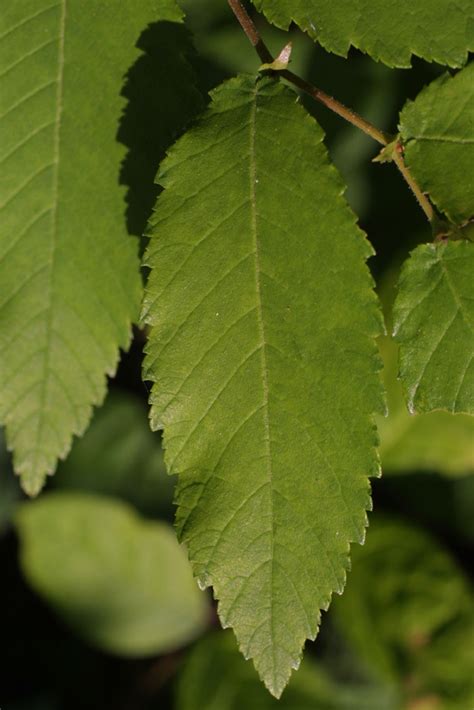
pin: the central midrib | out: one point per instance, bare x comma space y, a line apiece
261, 327
54, 222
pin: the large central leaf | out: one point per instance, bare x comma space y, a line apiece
262, 352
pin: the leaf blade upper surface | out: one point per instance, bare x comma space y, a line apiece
69, 272
434, 325
437, 129
389, 32
253, 333
435, 441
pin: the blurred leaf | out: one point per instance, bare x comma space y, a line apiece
434, 325
369, 696
121, 583
446, 665
389, 32
119, 455
406, 606
438, 131
216, 677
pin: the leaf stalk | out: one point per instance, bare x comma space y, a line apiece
331, 103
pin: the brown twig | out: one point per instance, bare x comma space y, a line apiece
423, 201
330, 102
251, 31
337, 107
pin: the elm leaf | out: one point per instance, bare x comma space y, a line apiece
434, 326
69, 271
435, 441
390, 32
437, 129
261, 349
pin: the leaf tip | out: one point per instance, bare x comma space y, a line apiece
32, 483
275, 685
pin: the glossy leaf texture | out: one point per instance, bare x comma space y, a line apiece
264, 365
434, 325
69, 271
437, 129
120, 582
390, 32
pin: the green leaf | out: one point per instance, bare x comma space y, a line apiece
406, 608
120, 582
216, 677
435, 441
388, 31
438, 132
69, 272
434, 325
264, 365
120, 456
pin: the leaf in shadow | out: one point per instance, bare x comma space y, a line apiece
163, 97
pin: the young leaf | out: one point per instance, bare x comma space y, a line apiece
438, 132
69, 276
261, 350
388, 31
122, 583
434, 324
